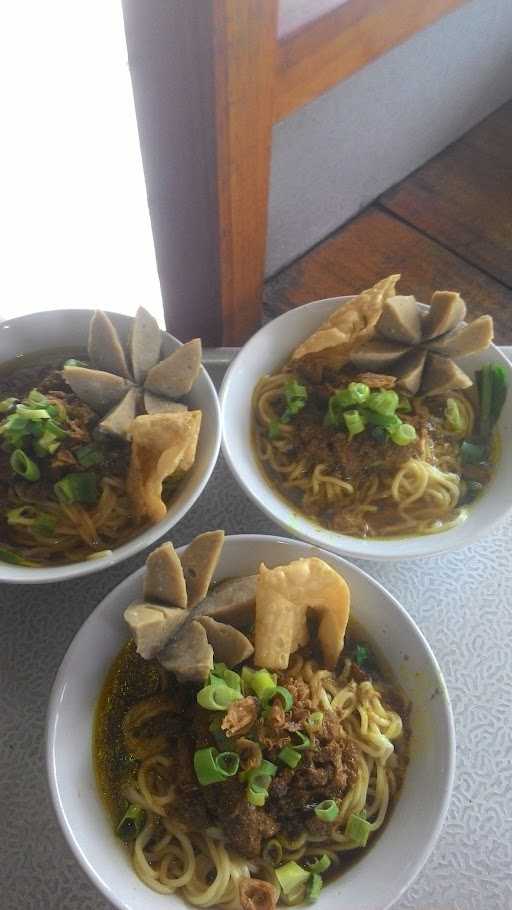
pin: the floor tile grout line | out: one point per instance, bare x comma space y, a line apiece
383, 208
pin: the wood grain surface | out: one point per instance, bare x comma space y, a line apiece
245, 42
463, 197
318, 55
376, 244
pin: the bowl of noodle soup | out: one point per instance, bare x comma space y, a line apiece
410, 823
302, 500
100, 532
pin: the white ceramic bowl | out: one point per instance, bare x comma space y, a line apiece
268, 350
381, 875
68, 330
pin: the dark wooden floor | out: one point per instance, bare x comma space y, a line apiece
446, 226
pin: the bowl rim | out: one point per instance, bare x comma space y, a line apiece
60, 682
71, 571
310, 532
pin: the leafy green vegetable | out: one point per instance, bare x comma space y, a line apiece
471, 452
491, 383
361, 655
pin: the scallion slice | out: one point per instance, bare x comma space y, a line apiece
291, 876
385, 402
77, 488
232, 679
327, 810
23, 465
354, 422
7, 404
284, 694
211, 767
272, 852
290, 757
358, 829
131, 823
320, 864
314, 887
256, 796
217, 697
300, 741
403, 435
314, 722
261, 683
72, 362
453, 416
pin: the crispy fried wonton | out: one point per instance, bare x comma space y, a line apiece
161, 443
349, 326
283, 596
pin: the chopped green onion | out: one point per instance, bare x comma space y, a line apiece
260, 776
35, 399
295, 396
232, 680
15, 559
260, 681
404, 404
320, 864
471, 453
314, 722
272, 852
361, 655
131, 823
217, 697
337, 404
56, 429
354, 422
327, 811
88, 455
290, 876
358, 829
214, 680
290, 757
76, 488
284, 694
453, 416
29, 517
303, 742
274, 429
228, 763
359, 391
385, 402
403, 435
314, 886
211, 767
23, 465
46, 444
388, 421
72, 362
7, 404
257, 796
32, 413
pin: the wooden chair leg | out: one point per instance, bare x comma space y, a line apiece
245, 46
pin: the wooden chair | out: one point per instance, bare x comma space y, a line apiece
257, 65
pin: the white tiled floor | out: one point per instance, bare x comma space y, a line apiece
74, 219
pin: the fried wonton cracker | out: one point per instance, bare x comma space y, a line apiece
161, 443
350, 325
283, 596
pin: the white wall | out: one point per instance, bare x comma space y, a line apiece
338, 153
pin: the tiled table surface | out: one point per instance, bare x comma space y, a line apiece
463, 604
